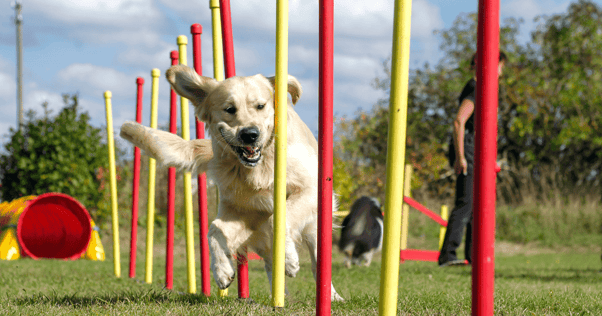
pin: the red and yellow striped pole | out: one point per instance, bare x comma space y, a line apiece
398, 106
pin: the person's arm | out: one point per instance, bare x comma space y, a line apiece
464, 113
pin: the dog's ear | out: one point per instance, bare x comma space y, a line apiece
294, 87
187, 83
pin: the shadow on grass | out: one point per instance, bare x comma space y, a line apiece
151, 297
568, 275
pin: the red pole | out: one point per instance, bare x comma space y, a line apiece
230, 71
171, 183
227, 41
485, 156
136, 183
324, 273
196, 30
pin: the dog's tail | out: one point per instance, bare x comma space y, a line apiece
169, 149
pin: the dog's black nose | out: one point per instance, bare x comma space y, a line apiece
249, 134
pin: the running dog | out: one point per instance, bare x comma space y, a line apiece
362, 232
239, 157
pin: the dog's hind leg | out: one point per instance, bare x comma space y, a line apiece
225, 238
310, 236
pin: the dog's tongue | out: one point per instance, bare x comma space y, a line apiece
251, 150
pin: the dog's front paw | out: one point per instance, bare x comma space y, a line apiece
335, 297
291, 267
223, 275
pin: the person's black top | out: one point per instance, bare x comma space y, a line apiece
469, 93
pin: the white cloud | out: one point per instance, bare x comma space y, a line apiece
356, 67
529, 9
8, 87
92, 79
97, 12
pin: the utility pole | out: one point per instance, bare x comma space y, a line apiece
18, 21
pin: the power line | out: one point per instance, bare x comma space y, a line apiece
18, 22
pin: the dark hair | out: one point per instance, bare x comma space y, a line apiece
473, 60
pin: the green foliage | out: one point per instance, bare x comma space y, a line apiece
61, 153
550, 111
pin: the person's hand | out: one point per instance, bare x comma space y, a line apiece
461, 166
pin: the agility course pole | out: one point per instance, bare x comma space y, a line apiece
152, 173
488, 37
324, 268
182, 42
113, 180
398, 106
171, 184
280, 123
218, 54
230, 71
443, 229
218, 74
405, 209
196, 30
136, 182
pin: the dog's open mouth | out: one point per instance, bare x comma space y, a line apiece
248, 155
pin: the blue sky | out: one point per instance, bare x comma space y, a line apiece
90, 46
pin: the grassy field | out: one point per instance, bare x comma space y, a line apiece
528, 282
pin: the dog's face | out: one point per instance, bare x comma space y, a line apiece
239, 111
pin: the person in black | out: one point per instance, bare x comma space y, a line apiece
461, 156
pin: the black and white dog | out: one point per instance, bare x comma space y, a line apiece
362, 232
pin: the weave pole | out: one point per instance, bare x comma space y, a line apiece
196, 30
325, 135
488, 37
152, 172
113, 182
171, 184
398, 106
218, 74
280, 123
182, 42
230, 70
136, 183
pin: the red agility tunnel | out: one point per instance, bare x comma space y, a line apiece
54, 225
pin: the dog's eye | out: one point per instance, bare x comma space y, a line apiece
230, 110
261, 106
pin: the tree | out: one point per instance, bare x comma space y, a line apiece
63, 154
550, 110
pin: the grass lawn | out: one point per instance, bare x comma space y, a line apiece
538, 283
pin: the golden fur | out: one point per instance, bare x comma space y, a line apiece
239, 157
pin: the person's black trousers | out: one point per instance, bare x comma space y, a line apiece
461, 215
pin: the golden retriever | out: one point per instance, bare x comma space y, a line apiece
239, 157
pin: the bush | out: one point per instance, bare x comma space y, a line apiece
62, 154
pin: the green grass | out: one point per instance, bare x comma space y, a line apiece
542, 283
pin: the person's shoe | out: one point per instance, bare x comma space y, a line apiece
451, 263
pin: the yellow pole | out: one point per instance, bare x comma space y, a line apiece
398, 106
405, 210
280, 168
218, 55
442, 229
182, 42
113, 180
152, 168
218, 73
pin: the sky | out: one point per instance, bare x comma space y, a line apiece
90, 46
